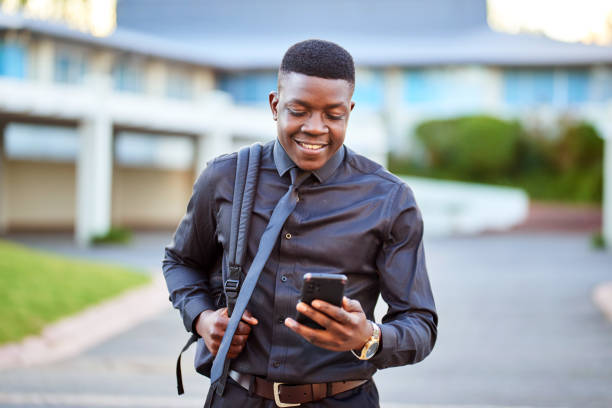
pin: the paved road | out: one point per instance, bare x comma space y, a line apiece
517, 328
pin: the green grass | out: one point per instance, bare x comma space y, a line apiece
38, 288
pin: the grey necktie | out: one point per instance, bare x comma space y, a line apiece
283, 209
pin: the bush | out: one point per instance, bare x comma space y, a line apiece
579, 147
113, 236
568, 167
478, 148
598, 241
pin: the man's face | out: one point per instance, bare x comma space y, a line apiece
312, 115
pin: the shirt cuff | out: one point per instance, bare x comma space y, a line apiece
388, 339
192, 310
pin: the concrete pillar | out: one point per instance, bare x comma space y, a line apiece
204, 81
94, 179
44, 55
95, 159
100, 75
3, 184
156, 78
600, 119
393, 109
211, 145
607, 193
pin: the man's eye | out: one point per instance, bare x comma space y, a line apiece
335, 117
296, 113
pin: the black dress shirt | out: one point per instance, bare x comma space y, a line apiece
353, 217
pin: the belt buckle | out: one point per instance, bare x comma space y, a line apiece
277, 397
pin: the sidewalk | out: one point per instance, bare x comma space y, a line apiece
517, 328
562, 218
73, 335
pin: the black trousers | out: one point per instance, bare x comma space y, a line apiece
364, 396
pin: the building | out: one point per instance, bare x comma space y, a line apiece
416, 60
197, 74
112, 131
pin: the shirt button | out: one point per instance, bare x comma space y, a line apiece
281, 320
283, 278
276, 364
288, 235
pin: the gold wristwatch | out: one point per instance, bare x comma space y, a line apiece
371, 346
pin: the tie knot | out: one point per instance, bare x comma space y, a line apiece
298, 176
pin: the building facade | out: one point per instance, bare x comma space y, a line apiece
113, 131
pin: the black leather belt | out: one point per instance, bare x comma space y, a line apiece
291, 395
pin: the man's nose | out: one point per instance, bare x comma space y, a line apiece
314, 125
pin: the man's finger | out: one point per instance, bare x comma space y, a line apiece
234, 351
243, 328
218, 327
239, 340
315, 315
317, 337
337, 313
351, 305
248, 317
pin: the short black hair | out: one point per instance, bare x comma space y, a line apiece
319, 58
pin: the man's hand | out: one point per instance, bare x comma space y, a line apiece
346, 328
211, 325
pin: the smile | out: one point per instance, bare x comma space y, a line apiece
311, 146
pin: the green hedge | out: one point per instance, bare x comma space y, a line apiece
476, 147
567, 166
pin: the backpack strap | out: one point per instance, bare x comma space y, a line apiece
245, 189
179, 374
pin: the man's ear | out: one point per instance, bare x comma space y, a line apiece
273, 99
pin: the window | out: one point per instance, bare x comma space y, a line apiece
128, 76
41, 142
528, 87
601, 85
444, 87
560, 87
578, 86
248, 87
69, 66
419, 87
143, 150
369, 89
179, 84
604, 89
12, 60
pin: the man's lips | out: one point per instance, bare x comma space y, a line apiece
313, 146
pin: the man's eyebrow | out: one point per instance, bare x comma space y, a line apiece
306, 104
335, 105
298, 102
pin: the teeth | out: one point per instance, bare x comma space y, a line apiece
311, 146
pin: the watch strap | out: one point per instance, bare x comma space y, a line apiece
375, 338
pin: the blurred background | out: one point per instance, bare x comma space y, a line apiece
497, 113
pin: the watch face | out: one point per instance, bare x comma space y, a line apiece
372, 349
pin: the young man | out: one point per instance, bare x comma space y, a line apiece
352, 217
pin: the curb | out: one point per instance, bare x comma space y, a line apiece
602, 297
72, 335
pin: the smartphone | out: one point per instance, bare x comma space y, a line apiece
324, 286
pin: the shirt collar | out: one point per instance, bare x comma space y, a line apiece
283, 162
